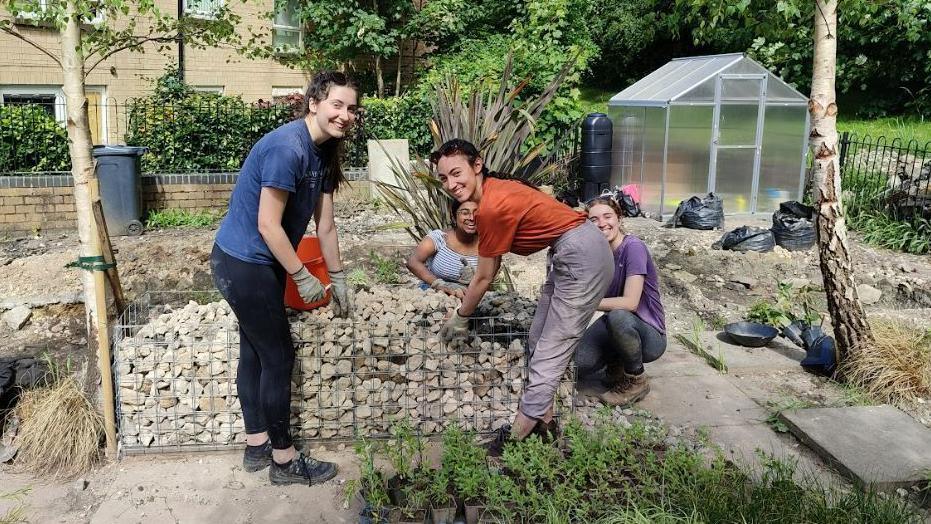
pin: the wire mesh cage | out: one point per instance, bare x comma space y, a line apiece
176, 358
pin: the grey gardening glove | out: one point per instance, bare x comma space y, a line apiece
465, 276
342, 298
308, 286
456, 327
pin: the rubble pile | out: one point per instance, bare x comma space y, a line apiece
176, 375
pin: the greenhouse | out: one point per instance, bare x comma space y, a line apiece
720, 123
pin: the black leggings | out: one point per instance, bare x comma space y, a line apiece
619, 337
255, 293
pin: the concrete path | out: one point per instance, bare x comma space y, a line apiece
688, 392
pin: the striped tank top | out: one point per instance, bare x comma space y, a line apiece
446, 263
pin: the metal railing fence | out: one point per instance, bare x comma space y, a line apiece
892, 177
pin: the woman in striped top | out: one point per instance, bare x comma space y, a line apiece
446, 260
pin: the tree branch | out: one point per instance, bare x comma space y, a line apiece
24, 38
132, 43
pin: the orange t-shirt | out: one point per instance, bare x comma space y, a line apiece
514, 217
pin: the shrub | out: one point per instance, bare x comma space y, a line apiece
897, 366
390, 118
32, 140
199, 132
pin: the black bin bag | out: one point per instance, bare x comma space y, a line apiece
699, 213
747, 238
794, 226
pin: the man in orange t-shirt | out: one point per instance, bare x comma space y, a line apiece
513, 217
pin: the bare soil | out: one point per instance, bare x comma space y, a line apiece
697, 282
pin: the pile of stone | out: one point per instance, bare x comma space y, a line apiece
176, 374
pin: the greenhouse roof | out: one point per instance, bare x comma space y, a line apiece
692, 80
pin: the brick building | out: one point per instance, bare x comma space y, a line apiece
29, 76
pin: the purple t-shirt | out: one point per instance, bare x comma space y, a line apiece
633, 258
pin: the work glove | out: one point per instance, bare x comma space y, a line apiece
308, 286
456, 327
465, 276
342, 298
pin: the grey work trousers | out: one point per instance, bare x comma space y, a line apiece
580, 270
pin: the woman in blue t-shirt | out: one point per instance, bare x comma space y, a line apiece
289, 176
633, 328
445, 260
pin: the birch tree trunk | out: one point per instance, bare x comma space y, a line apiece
82, 170
397, 76
851, 329
379, 79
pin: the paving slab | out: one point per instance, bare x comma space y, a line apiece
748, 444
876, 446
704, 400
778, 355
678, 361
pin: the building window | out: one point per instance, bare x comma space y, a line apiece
202, 8
217, 90
286, 31
49, 98
34, 12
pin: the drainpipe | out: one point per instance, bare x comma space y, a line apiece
180, 44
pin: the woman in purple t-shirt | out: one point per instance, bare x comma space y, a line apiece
633, 329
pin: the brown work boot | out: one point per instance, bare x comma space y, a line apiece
626, 391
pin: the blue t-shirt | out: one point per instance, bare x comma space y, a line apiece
287, 159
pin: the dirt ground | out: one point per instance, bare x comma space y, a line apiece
697, 282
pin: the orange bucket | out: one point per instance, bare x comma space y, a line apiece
308, 251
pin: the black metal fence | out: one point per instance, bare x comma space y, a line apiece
207, 134
892, 177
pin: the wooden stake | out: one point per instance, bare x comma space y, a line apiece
103, 340
106, 250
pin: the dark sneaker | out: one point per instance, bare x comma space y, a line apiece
495, 446
626, 392
547, 431
257, 458
302, 470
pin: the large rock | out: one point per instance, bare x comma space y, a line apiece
17, 317
868, 294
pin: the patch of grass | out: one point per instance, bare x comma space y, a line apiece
880, 229
778, 406
897, 367
182, 218
693, 343
717, 321
595, 100
905, 129
17, 513
385, 268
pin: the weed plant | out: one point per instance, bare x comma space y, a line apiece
16, 513
181, 218
882, 230
385, 267
790, 304
694, 343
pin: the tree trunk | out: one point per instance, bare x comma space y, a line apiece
379, 78
397, 76
82, 170
851, 329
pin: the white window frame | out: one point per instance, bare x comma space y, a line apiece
99, 16
217, 90
278, 92
189, 10
60, 112
300, 36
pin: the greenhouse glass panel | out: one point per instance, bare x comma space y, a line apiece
779, 91
737, 124
627, 145
781, 159
689, 137
654, 119
734, 180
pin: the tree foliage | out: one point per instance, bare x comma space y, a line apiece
884, 43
